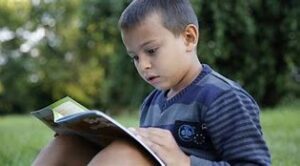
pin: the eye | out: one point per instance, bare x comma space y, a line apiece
135, 58
152, 51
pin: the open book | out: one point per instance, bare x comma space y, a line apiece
66, 116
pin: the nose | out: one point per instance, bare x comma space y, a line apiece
144, 63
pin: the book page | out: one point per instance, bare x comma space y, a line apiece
67, 108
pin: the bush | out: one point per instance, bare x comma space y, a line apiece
81, 53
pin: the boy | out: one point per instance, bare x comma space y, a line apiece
212, 119
195, 116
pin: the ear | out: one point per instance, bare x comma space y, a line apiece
191, 35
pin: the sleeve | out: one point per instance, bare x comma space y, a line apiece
233, 125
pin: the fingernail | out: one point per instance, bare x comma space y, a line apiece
132, 129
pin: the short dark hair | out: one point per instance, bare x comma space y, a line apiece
176, 14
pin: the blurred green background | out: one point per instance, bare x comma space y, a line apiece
51, 48
55, 48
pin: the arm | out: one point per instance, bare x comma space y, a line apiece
234, 128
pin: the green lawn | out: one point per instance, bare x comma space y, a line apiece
22, 136
282, 132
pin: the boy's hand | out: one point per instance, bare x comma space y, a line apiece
163, 144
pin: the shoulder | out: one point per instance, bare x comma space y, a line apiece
213, 85
227, 99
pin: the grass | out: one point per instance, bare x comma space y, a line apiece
282, 132
22, 136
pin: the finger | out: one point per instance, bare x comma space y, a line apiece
162, 151
157, 148
158, 136
154, 131
132, 130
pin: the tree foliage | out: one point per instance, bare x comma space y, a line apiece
51, 48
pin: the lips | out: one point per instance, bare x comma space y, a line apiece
152, 79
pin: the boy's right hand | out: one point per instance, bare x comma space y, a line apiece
163, 144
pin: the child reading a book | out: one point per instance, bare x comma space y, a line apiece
195, 116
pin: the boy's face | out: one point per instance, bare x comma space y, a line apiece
161, 58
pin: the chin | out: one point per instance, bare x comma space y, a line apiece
163, 88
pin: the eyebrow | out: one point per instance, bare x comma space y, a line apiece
141, 46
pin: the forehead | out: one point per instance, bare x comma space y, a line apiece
151, 19
149, 31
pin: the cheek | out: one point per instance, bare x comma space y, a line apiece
140, 72
137, 68
166, 61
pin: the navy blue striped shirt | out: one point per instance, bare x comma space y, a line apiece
213, 120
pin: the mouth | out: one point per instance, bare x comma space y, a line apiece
152, 79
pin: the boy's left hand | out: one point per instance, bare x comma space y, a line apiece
164, 145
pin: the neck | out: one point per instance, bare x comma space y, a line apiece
188, 78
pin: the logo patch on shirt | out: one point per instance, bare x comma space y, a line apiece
186, 132
191, 134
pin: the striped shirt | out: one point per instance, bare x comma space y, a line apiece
213, 120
